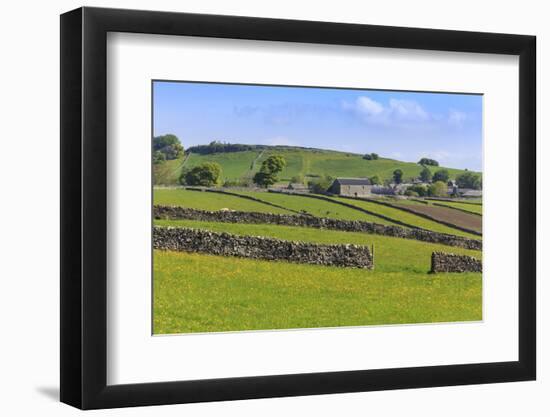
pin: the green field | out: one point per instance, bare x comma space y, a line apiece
205, 293
169, 171
391, 253
306, 162
316, 207
210, 201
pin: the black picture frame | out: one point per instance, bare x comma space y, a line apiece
84, 207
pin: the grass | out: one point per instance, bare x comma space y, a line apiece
235, 165
392, 254
408, 218
168, 172
316, 207
210, 201
238, 165
205, 293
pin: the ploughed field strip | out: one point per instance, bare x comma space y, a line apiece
408, 218
445, 214
468, 207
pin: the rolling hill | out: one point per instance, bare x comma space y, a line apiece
307, 162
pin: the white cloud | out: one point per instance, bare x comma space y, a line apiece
456, 118
368, 106
408, 109
397, 111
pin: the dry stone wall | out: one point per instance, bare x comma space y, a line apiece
203, 241
175, 213
449, 262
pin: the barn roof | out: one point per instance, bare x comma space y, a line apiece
353, 181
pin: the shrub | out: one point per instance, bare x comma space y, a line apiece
297, 179
375, 180
206, 175
438, 189
411, 193
420, 189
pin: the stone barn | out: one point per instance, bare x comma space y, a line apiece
352, 187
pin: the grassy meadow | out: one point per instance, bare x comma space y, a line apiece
205, 293
211, 201
316, 207
305, 162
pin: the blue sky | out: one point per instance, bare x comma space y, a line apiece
394, 124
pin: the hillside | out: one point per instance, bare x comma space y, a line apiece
300, 161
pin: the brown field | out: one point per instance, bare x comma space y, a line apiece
448, 215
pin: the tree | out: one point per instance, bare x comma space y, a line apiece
418, 189
469, 180
206, 175
397, 176
438, 189
267, 175
158, 157
169, 145
297, 179
425, 175
264, 179
375, 180
441, 175
274, 164
428, 161
371, 156
320, 185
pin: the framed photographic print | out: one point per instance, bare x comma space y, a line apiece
258, 207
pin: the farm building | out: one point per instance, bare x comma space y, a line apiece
469, 192
354, 187
297, 187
